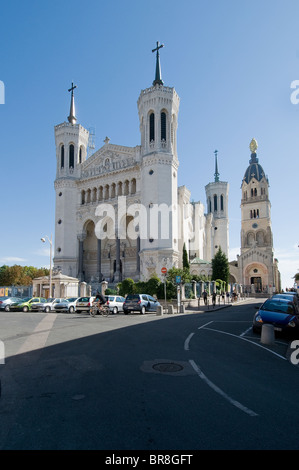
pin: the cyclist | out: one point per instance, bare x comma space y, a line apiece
99, 300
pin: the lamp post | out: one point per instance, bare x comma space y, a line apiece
50, 277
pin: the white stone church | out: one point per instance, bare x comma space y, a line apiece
120, 212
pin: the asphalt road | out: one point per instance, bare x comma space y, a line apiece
199, 381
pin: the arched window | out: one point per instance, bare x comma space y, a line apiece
152, 127
71, 156
163, 126
215, 202
221, 202
62, 156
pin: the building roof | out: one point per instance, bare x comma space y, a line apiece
199, 261
254, 170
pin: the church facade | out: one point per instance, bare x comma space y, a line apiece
120, 213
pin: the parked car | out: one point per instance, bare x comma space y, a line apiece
66, 305
47, 306
5, 302
115, 303
280, 313
290, 298
83, 304
140, 303
26, 304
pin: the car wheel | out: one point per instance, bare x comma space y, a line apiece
6, 308
142, 311
25, 309
71, 309
115, 310
126, 312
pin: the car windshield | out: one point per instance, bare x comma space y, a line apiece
70, 300
50, 300
26, 299
283, 307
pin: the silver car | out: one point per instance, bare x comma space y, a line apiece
47, 306
115, 303
66, 305
6, 301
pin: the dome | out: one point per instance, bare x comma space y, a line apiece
254, 170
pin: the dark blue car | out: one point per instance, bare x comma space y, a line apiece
280, 313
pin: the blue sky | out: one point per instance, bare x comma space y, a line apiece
232, 63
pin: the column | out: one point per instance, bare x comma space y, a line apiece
99, 260
138, 256
117, 274
81, 237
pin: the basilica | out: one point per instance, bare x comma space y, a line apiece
120, 213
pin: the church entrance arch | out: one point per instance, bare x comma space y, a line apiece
89, 251
256, 281
256, 277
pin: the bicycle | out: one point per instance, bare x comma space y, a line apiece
101, 309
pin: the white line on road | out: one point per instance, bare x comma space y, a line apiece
186, 344
221, 392
246, 331
248, 341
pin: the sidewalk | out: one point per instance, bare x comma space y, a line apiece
219, 306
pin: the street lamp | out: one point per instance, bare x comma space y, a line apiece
50, 277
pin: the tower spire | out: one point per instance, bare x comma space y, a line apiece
216, 174
158, 79
72, 117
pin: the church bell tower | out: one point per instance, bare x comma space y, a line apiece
71, 140
217, 225
158, 108
256, 259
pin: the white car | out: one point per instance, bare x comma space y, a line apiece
115, 303
84, 304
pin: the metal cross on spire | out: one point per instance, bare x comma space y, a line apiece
72, 117
158, 79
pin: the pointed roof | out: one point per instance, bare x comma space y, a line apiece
216, 174
158, 78
72, 117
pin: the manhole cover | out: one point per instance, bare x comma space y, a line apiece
167, 367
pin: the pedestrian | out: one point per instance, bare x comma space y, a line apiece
214, 298
205, 297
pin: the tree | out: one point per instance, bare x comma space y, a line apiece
184, 273
220, 267
126, 287
20, 275
185, 258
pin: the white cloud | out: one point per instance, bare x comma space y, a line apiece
12, 260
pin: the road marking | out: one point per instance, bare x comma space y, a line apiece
221, 392
200, 327
248, 341
39, 336
246, 331
186, 344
